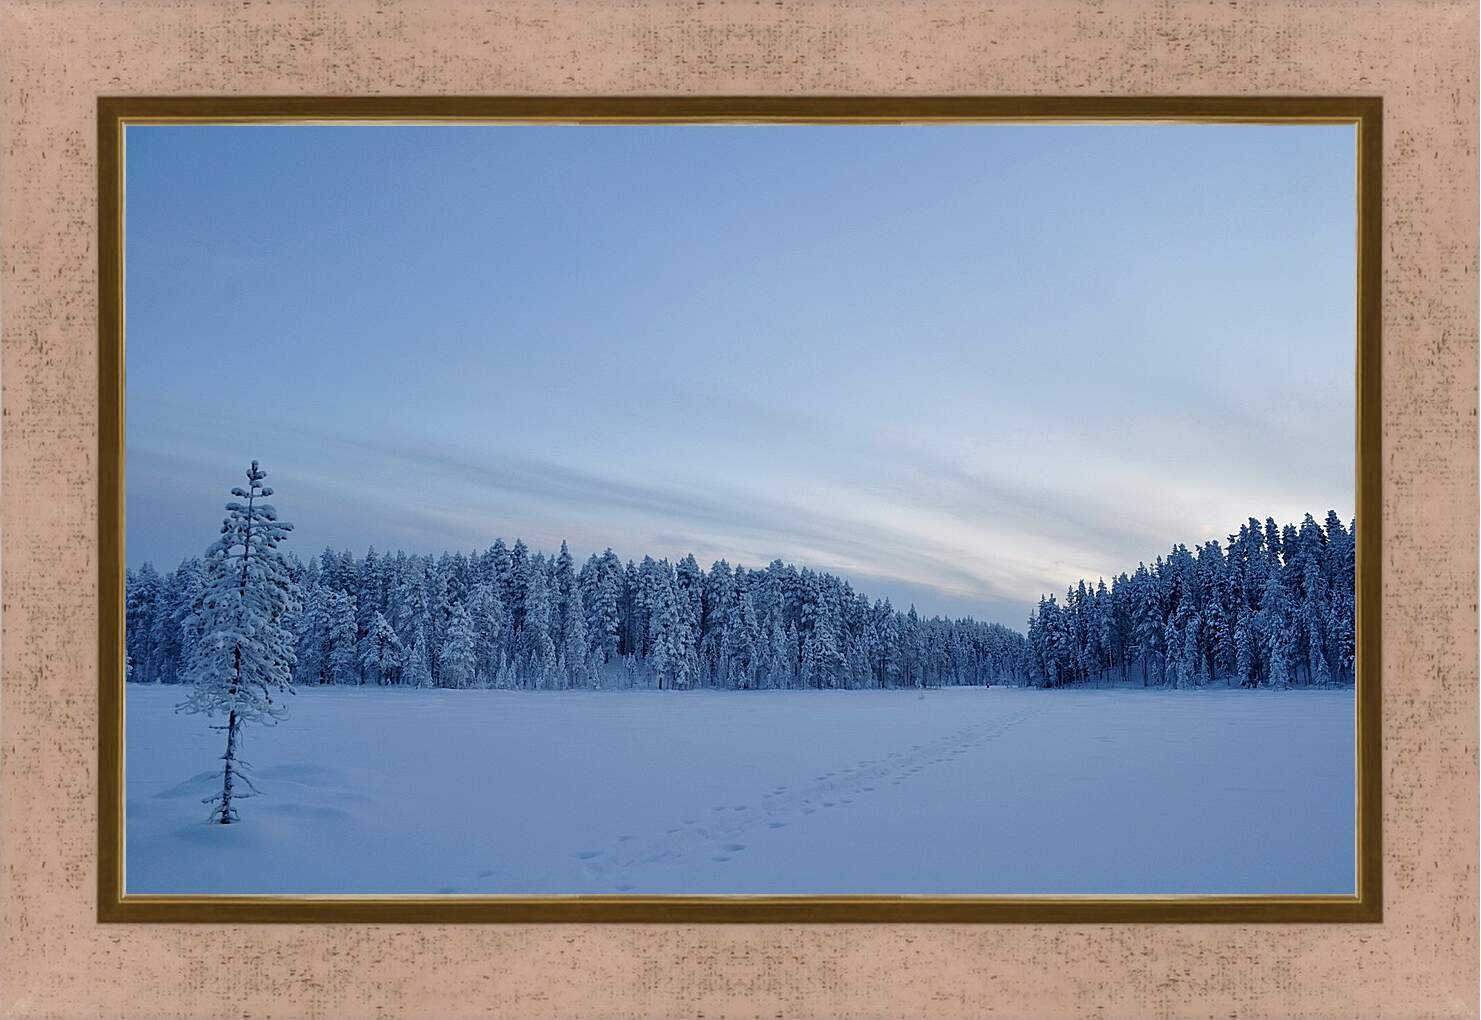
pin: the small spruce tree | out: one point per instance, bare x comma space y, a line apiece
242, 665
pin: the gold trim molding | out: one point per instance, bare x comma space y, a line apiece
114, 113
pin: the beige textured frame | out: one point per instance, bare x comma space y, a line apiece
55, 960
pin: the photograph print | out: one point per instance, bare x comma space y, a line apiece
740, 509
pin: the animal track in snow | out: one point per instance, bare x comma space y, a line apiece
772, 809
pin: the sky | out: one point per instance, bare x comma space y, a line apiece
960, 365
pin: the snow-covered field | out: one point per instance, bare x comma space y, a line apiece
962, 791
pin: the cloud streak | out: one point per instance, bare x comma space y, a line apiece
668, 340
975, 545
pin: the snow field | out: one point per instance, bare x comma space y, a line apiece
963, 791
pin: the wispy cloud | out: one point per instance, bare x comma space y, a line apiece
667, 341
900, 521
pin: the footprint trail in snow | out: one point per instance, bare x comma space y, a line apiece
720, 837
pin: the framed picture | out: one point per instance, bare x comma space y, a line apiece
944, 305
739, 509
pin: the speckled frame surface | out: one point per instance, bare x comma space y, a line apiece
56, 58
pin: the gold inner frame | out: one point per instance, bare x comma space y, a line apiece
114, 113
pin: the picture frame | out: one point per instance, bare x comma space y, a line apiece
1364, 113
57, 959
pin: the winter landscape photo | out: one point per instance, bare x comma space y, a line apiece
955, 509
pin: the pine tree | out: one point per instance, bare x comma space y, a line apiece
342, 658
1194, 666
141, 603
822, 659
491, 629
519, 577
369, 598
889, 645
634, 624
418, 669
440, 599
689, 599
501, 573
717, 605
459, 655
739, 647
412, 613
1276, 631
1341, 619
311, 628
575, 655
604, 627
170, 637
243, 663
563, 588
666, 623
537, 648
1172, 642
381, 652
1244, 650
1147, 627
1280, 659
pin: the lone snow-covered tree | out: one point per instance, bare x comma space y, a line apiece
242, 664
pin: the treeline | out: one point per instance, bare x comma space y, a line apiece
511, 618
1272, 608
1275, 608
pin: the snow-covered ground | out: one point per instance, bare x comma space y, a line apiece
962, 791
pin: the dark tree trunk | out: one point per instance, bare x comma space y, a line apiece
228, 779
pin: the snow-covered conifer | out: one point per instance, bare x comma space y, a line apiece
242, 665
574, 653
459, 656
1244, 650
342, 658
141, 605
381, 652
537, 647
417, 671
491, 630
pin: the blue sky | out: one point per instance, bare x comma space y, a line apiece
960, 365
